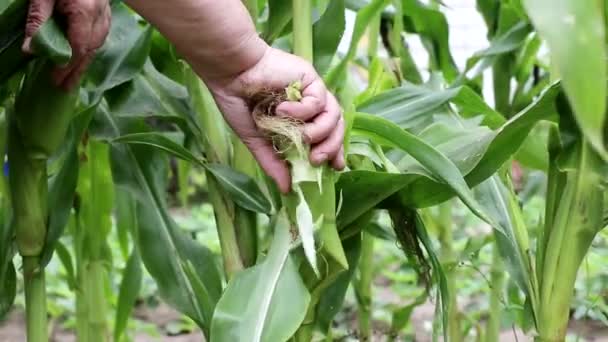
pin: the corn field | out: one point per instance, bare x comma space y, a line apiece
93, 176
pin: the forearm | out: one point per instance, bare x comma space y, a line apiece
217, 38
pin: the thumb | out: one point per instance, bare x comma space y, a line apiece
270, 161
39, 12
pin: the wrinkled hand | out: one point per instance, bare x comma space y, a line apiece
88, 24
319, 109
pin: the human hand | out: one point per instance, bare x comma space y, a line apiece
318, 109
88, 24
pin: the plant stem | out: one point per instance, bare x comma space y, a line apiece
245, 220
96, 301
225, 228
35, 300
302, 29
497, 279
577, 217
364, 286
449, 257
216, 145
373, 33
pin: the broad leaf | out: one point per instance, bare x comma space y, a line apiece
243, 190
8, 289
332, 298
364, 17
151, 94
140, 170
279, 16
123, 55
441, 168
62, 185
432, 26
327, 33
162, 142
266, 302
127, 294
512, 236
575, 31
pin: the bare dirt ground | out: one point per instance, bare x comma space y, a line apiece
12, 329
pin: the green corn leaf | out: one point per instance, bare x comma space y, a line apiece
138, 169
364, 17
7, 270
66, 260
507, 140
464, 146
266, 302
443, 292
122, 56
127, 294
388, 133
306, 229
512, 238
126, 219
489, 10
48, 42
158, 237
575, 33
477, 155
505, 43
412, 106
8, 289
51, 43
243, 190
327, 33
401, 317
408, 106
279, 17
362, 190
432, 26
162, 142
62, 188
332, 298
152, 94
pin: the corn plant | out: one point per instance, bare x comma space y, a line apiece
418, 141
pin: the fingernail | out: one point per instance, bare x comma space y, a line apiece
307, 139
26, 45
341, 161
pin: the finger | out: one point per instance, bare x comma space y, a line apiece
271, 163
324, 123
338, 162
80, 19
101, 28
80, 26
305, 109
39, 12
316, 89
72, 79
329, 148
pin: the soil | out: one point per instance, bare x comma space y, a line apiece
12, 329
